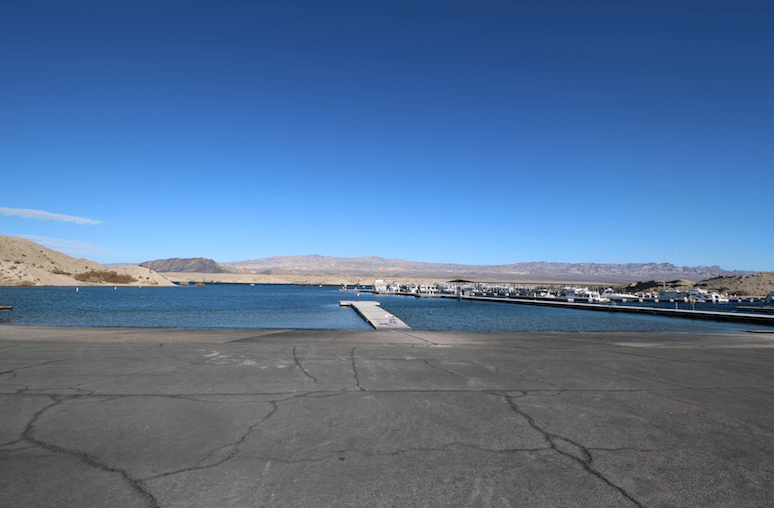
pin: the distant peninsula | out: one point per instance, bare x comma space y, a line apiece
188, 265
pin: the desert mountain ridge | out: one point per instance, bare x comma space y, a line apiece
380, 267
368, 266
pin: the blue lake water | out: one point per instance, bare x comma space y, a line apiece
310, 307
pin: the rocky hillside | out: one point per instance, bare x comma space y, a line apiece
654, 286
26, 263
394, 268
757, 284
188, 265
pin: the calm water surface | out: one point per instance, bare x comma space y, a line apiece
310, 307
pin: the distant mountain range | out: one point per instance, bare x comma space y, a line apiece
189, 265
371, 266
25, 263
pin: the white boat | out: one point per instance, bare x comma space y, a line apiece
583, 295
671, 296
541, 294
609, 294
701, 295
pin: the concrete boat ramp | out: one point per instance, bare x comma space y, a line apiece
375, 316
167, 418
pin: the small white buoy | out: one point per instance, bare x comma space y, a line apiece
76, 290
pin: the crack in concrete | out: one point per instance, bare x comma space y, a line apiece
453, 444
295, 357
261, 336
401, 451
570, 449
135, 484
20, 391
354, 369
13, 371
229, 457
27, 389
558, 387
15, 446
418, 338
443, 370
538, 393
630, 449
9, 443
75, 386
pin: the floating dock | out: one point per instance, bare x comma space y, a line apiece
765, 310
732, 317
375, 316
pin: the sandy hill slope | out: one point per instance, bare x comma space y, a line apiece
26, 263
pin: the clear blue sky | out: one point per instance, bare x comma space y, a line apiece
480, 132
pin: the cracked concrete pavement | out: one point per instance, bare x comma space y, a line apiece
246, 418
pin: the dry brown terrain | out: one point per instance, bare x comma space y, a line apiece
757, 284
26, 263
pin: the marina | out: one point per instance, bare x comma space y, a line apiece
244, 306
732, 317
582, 298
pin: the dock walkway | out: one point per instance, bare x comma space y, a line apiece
375, 316
733, 317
